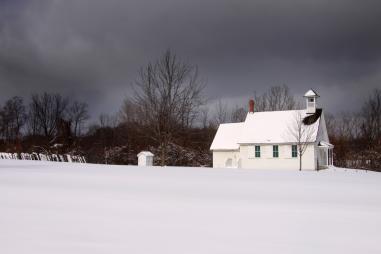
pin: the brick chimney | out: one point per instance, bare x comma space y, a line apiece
251, 106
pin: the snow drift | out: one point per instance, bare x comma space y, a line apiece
50, 208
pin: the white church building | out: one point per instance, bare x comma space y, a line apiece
275, 139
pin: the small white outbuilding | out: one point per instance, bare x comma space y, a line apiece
145, 158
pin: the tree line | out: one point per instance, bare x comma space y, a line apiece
357, 135
41, 117
168, 114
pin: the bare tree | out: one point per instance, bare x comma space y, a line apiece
78, 114
371, 113
238, 114
46, 111
224, 113
204, 115
221, 113
347, 125
260, 101
279, 98
12, 118
106, 120
129, 112
168, 94
301, 133
276, 98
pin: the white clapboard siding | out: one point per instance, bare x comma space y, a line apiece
267, 151
251, 151
285, 151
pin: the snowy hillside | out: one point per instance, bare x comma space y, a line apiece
88, 209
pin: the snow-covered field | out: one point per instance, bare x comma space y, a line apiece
72, 208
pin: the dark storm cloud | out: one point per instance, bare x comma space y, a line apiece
92, 49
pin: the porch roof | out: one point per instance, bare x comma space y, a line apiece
324, 144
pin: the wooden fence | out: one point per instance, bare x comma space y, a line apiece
43, 157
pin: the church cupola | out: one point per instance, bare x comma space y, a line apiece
311, 97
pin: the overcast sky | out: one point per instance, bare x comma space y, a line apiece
92, 49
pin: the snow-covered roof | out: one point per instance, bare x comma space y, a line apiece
274, 127
145, 153
311, 93
227, 136
325, 144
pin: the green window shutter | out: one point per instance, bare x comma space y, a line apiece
257, 151
294, 151
275, 151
